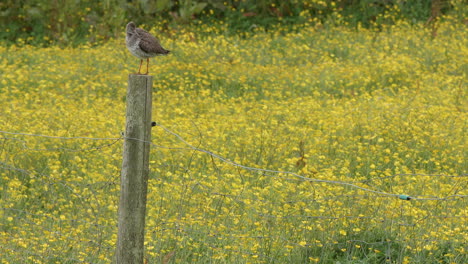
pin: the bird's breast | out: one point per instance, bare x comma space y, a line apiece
133, 45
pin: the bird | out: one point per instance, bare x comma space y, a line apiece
142, 45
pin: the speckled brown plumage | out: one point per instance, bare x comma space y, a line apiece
143, 45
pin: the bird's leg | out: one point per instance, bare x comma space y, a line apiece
147, 65
139, 69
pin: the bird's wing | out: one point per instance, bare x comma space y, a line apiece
150, 44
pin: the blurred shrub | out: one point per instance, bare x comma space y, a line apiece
72, 21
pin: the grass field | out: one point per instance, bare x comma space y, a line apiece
385, 111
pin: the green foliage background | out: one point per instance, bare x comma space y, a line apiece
75, 21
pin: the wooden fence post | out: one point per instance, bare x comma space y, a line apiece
135, 169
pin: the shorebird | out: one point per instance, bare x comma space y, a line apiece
143, 45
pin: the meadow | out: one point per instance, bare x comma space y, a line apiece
296, 146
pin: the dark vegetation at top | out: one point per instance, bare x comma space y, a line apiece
43, 22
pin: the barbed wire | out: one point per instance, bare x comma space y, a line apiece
55, 137
264, 171
349, 184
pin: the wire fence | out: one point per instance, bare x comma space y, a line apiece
59, 202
